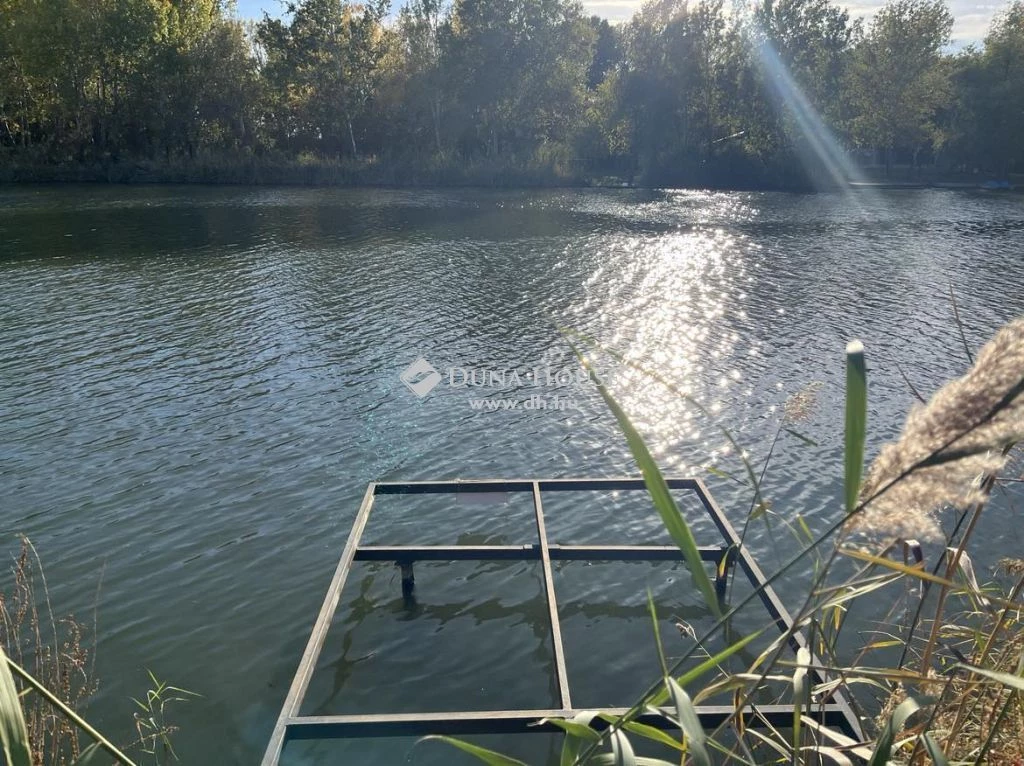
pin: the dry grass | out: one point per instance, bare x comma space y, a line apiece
54, 650
979, 720
973, 719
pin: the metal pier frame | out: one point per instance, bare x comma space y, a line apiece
834, 712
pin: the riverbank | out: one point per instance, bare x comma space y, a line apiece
441, 171
252, 170
318, 171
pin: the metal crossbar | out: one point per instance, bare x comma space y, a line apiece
834, 712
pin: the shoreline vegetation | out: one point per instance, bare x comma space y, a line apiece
939, 679
48, 677
778, 94
326, 172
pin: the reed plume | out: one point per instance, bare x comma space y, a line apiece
948, 446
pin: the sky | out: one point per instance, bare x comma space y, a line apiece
972, 17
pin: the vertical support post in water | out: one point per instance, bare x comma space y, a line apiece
408, 579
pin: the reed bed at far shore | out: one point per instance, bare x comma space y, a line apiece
247, 168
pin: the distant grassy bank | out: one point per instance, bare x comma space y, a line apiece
314, 171
255, 170
729, 172
320, 171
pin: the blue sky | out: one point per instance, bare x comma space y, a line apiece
972, 18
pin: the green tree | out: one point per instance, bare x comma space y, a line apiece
323, 65
16, 94
607, 51
999, 93
671, 91
422, 24
520, 70
898, 79
811, 38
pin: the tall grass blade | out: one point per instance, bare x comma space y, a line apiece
92, 756
690, 722
489, 757
805, 439
856, 421
660, 494
801, 696
883, 745
577, 732
837, 756
707, 665
965, 566
921, 574
622, 751
13, 732
858, 749
1006, 679
657, 632
577, 726
646, 731
960, 325
608, 759
934, 751
67, 712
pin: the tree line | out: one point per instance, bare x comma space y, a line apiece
764, 93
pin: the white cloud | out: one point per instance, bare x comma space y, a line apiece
972, 19
613, 10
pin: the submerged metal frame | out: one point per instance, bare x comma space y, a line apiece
835, 711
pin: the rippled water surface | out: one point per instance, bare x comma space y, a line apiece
196, 384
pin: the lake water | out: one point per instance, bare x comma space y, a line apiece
196, 384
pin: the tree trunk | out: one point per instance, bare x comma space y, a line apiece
352, 138
435, 109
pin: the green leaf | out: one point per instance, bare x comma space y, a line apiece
934, 751
690, 721
13, 732
657, 632
801, 692
608, 759
489, 757
577, 732
806, 530
709, 664
622, 751
856, 421
837, 756
883, 745
661, 496
92, 756
723, 474
646, 731
1006, 679
575, 726
800, 436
